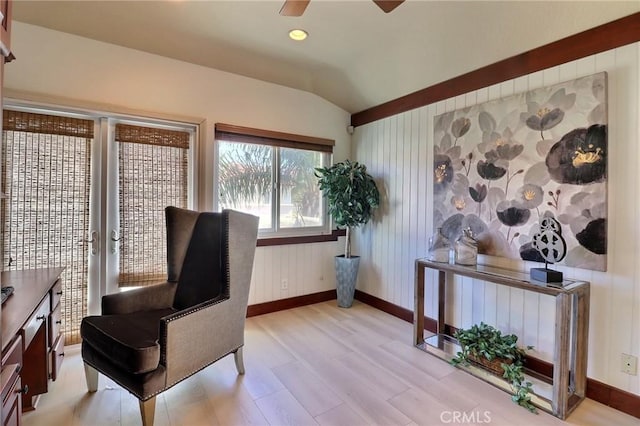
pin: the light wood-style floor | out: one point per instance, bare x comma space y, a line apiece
317, 364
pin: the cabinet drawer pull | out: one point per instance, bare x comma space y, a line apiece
23, 390
59, 322
41, 317
61, 354
59, 293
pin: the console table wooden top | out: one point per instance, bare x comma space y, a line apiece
31, 287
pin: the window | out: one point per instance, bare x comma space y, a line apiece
153, 172
271, 175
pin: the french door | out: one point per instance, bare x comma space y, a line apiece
88, 193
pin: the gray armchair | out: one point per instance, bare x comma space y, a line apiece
151, 338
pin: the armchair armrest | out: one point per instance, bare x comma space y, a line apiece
157, 296
196, 337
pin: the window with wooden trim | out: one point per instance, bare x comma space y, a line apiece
271, 175
46, 163
153, 172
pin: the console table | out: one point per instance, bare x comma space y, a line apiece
571, 330
32, 341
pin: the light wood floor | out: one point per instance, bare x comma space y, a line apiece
317, 364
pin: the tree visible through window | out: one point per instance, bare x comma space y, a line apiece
245, 175
273, 179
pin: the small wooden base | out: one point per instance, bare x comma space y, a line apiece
546, 275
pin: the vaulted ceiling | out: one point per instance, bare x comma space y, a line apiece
356, 56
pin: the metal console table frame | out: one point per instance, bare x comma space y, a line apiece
571, 330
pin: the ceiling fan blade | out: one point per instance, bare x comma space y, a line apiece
294, 7
388, 5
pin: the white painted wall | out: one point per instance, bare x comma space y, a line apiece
399, 153
60, 65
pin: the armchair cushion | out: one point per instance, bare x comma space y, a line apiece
158, 296
128, 340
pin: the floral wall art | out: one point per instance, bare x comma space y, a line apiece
501, 166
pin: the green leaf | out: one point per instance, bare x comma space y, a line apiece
352, 194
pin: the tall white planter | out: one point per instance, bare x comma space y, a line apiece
346, 277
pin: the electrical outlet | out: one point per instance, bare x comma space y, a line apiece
629, 364
284, 284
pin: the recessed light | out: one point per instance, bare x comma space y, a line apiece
298, 35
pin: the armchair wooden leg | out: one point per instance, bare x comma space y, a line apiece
237, 356
91, 376
148, 411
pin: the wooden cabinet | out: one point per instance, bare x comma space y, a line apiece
5, 27
31, 337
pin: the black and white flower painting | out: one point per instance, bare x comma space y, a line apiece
502, 165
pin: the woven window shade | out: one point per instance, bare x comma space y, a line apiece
46, 177
47, 124
152, 176
151, 136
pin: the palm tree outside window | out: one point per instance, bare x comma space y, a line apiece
271, 175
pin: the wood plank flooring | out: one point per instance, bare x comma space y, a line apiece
314, 365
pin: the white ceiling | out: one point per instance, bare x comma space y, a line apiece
356, 56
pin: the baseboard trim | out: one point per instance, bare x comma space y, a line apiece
613, 397
290, 303
601, 392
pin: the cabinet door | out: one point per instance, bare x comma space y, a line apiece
57, 356
56, 294
12, 406
5, 26
35, 371
10, 391
13, 355
35, 322
55, 321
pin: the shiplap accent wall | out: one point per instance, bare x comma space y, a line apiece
308, 268
399, 154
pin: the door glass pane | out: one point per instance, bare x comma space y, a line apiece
300, 198
245, 179
46, 178
151, 177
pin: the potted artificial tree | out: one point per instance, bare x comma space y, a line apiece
352, 197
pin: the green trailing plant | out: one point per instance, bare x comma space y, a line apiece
352, 195
486, 342
521, 388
